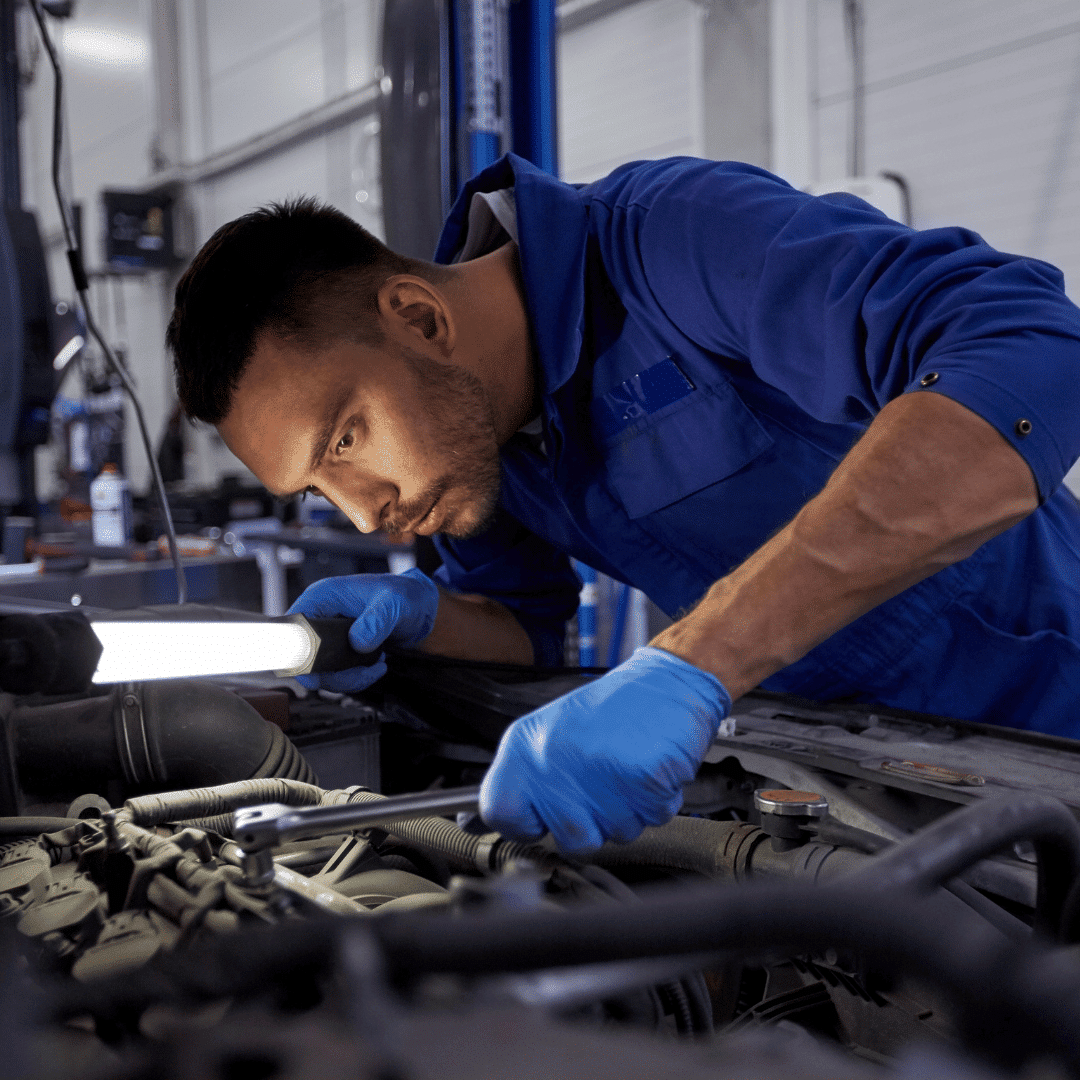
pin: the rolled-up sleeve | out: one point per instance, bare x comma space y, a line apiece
843, 309
512, 565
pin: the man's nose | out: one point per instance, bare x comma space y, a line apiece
364, 504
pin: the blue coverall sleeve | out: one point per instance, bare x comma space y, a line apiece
512, 565
843, 309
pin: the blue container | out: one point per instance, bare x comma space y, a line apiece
587, 615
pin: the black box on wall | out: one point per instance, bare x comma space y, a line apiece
138, 230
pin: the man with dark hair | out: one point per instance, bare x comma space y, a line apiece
830, 445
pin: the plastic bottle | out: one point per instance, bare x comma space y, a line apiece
110, 501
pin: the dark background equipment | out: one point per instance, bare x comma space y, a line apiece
138, 230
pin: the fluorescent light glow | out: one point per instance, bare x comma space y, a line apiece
101, 45
139, 651
60, 361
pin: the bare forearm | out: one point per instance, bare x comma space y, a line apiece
477, 628
927, 484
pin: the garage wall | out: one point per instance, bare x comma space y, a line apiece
259, 65
107, 55
249, 68
975, 102
242, 68
631, 86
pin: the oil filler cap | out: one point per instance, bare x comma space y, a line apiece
808, 804
786, 815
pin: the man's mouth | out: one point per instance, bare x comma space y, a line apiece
426, 525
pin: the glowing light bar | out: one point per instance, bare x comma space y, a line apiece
139, 651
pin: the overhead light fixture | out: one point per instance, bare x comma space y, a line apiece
103, 45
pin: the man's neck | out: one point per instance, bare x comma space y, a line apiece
493, 322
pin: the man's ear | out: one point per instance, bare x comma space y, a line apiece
411, 307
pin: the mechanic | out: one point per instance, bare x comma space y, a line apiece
831, 446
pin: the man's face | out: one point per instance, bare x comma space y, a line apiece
396, 440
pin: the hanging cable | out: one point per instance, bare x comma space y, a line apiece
82, 286
856, 32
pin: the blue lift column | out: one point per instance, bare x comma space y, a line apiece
503, 69
533, 82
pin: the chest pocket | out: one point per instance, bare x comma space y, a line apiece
697, 441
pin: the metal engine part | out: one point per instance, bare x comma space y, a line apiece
138, 944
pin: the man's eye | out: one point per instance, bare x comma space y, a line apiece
346, 440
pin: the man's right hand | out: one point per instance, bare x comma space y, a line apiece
396, 609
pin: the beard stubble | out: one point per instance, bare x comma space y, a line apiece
461, 436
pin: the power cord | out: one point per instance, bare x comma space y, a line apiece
82, 287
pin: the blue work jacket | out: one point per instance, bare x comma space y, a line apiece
710, 343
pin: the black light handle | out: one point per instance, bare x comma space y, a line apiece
335, 653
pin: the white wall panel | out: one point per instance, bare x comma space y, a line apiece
300, 171
363, 23
265, 86
267, 61
630, 86
976, 103
909, 37
241, 33
314, 51
736, 81
108, 107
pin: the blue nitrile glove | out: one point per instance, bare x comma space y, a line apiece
607, 759
398, 609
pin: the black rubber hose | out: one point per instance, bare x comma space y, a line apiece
993, 913
692, 987
735, 850
701, 1010
956, 842
68, 746
1014, 1001
831, 831
171, 734
725, 849
202, 734
47, 654
696, 845
1018, 999
673, 995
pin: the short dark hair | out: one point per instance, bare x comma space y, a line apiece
298, 269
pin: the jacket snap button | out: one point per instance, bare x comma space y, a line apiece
929, 378
1023, 427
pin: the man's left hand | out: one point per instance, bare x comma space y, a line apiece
608, 759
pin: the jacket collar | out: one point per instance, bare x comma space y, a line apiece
552, 229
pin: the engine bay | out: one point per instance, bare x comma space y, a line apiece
847, 892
